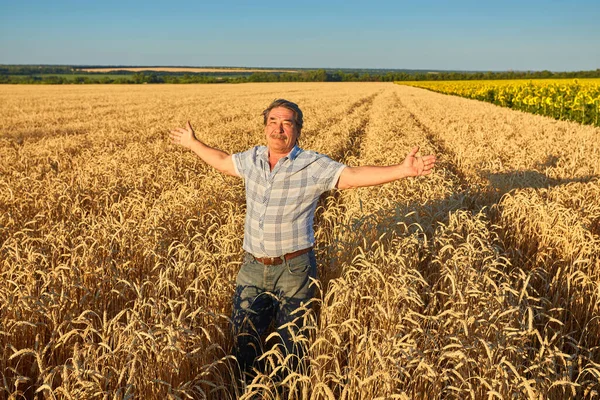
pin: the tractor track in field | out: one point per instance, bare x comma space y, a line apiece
350, 150
439, 145
352, 147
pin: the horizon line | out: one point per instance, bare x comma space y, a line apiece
292, 68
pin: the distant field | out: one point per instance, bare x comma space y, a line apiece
179, 69
76, 75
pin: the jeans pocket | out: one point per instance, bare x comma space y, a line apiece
250, 272
301, 265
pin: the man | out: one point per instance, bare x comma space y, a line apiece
283, 184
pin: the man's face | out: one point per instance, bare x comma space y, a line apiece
281, 130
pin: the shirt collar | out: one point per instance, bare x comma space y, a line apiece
294, 153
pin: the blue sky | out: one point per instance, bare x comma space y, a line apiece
462, 35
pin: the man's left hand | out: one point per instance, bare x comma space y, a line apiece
417, 166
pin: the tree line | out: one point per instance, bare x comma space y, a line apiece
67, 75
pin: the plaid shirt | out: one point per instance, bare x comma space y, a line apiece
280, 204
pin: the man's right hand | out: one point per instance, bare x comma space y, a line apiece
214, 157
184, 136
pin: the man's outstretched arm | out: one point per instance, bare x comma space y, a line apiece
214, 157
354, 177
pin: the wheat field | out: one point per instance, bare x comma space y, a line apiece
119, 251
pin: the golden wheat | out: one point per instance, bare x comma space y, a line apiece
118, 251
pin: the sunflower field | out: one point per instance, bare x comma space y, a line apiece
565, 99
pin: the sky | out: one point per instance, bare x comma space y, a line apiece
429, 35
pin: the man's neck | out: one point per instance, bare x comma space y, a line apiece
274, 157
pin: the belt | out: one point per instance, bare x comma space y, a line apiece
279, 260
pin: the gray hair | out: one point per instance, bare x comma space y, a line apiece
298, 117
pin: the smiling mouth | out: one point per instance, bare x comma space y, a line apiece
275, 136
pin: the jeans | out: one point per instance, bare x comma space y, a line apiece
271, 292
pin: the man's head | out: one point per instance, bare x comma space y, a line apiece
283, 123
298, 117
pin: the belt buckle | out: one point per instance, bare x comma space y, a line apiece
277, 260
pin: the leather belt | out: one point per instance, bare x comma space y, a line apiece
279, 260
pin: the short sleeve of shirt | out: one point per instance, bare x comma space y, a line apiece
327, 172
242, 161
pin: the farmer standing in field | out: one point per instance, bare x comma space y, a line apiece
283, 184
